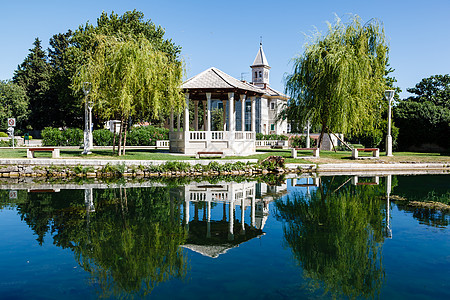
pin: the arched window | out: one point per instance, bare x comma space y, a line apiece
256, 74
260, 74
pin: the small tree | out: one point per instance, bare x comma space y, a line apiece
130, 77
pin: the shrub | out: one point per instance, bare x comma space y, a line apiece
3, 134
51, 137
102, 137
300, 142
278, 137
72, 137
146, 135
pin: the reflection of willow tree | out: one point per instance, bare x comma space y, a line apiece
336, 237
129, 244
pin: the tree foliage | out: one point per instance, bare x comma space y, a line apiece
34, 76
130, 77
424, 118
336, 237
14, 104
128, 244
338, 82
47, 78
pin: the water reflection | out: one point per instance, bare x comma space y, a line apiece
335, 233
127, 239
213, 237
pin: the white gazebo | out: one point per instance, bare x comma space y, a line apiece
215, 85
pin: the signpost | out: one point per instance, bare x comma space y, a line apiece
11, 124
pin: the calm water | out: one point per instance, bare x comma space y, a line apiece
343, 237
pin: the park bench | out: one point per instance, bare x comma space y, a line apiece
375, 152
31, 151
209, 153
315, 151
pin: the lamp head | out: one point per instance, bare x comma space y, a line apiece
86, 87
389, 94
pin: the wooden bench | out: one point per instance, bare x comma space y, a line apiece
315, 151
209, 153
31, 151
375, 152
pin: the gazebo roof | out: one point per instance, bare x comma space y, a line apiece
215, 81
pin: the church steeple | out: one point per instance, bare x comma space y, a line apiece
260, 68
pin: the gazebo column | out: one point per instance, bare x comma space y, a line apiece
242, 112
196, 115
171, 121
231, 219
224, 115
204, 115
253, 211
253, 119
231, 114
208, 225
208, 116
186, 114
243, 214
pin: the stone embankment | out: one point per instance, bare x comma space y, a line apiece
123, 168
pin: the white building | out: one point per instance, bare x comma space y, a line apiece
270, 103
248, 108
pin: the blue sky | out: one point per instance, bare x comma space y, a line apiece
226, 34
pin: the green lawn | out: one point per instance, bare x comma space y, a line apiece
145, 154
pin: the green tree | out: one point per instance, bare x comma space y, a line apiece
66, 109
424, 118
217, 120
338, 82
14, 103
130, 77
434, 89
34, 76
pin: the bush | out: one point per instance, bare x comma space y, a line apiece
146, 136
300, 142
52, 137
102, 137
72, 137
273, 137
3, 134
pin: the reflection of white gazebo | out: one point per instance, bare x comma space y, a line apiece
207, 86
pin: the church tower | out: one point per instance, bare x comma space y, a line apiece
260, 69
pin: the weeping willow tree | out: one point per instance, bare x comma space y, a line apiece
338, 82
130, 77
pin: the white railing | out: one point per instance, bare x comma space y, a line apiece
212, 135
163, 144
268, 143
197, 135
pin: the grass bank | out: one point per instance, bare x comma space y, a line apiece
150, 154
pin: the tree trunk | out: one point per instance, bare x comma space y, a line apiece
329, 136
321, 136
114, 138
120, 136
125, 137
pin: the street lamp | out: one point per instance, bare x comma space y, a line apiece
87, 119
389, 95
